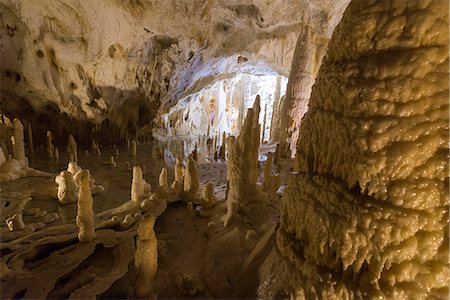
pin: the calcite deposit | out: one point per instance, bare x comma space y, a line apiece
282, 149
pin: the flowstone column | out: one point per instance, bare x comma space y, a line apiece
367, 215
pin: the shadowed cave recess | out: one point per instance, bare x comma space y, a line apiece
224, 149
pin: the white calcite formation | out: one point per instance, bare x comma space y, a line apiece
146, 258
19, 144
367, 214
139, 187
16, 165
72, 148
85, 213
50, 147
67, 188
191, 180
242, 165
179, 172
163, 179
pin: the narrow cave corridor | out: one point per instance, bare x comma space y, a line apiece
217, 149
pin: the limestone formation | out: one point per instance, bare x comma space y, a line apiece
133, 148
139, 187
85, 213
73, 168
222, 147
19, 145
242, 166
50, 147
72, 149
208, 197
163, 179
367, 214
67, 188
146, 258
15, 223
191, 179
179, 173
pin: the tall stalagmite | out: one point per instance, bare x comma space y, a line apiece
367, 216
242, 164
85, 213
146, 258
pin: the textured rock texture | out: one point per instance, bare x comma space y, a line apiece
127, 62
367, 215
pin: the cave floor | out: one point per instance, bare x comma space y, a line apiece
197, 257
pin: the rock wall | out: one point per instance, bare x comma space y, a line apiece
367, 215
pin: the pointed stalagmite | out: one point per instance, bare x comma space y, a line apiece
19, 145
163, 179
264, 124
242, 165
85, 213
222, 147
72, 148
191, 179
276, 158
179, 171
133, 148
146, 258
50, 147
139, 187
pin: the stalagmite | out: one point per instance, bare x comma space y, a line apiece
15, 223
366, 216
67, 188
85, 213
139, 187
242, 166
264, 125
222, 147
19, 145
191, 179
133, 148
208, 199
73, 168
276, 158
146, 258
179, 171
163, 179
72, 149
56, 154
30, 137
50, 147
